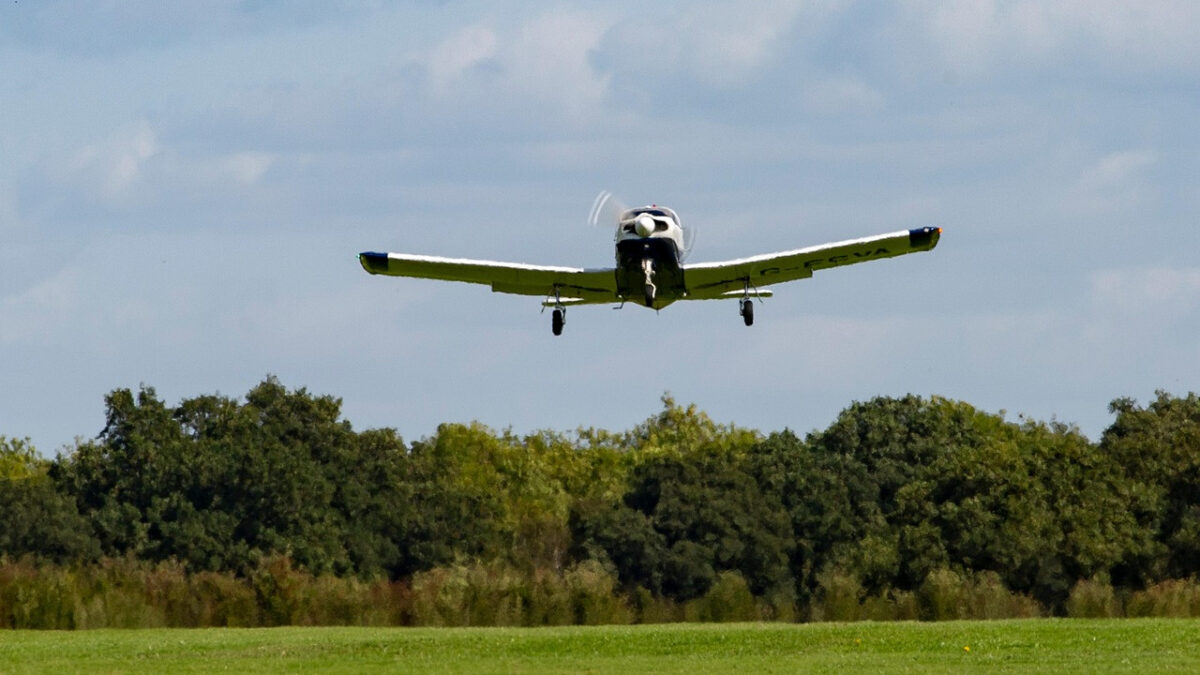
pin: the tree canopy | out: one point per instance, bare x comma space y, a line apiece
892, 492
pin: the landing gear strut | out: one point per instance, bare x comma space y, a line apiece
650, 289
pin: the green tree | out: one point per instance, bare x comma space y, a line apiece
689, 511
37, 519
218, 483
1157, 447
19, 459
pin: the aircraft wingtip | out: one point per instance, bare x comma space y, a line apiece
924, 237
373, 261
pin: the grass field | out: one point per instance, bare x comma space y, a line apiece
1055, 645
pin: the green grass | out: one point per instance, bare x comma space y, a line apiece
1056, 645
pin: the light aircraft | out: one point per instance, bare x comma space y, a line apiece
650, 269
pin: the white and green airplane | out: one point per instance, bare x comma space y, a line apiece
650, 268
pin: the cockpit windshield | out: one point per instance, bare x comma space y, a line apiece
656, 211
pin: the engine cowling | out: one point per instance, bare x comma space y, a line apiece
644, 225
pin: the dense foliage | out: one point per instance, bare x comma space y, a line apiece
898, 498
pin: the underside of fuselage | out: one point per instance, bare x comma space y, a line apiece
648, 272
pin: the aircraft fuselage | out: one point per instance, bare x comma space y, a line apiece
649, 253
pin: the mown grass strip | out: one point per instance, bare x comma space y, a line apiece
1054, 645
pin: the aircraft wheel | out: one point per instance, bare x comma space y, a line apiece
556, 321
748, 312
649, 295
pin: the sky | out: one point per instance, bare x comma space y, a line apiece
184, 188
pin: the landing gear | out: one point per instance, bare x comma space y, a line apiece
746, 306
746, 309
559, 317
648, 272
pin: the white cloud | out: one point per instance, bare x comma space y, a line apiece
975, 36
41, 309
718, 44
843, 94
550, 59
248, 168
1116, 170
722, 42
465, 49
1163, 291
111, 167
1111, 183
528, 75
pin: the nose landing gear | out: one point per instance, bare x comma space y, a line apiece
650, 289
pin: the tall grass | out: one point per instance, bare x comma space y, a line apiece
125, 593
944, 595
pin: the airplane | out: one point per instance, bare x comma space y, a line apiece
650, 268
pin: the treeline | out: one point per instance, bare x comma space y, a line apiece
273, 509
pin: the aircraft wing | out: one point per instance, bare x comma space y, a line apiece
724, 279
575, 285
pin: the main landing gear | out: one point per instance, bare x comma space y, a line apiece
559, 317
746, 306
746, 309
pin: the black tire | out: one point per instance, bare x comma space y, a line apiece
748, 312
556, 322
649, 295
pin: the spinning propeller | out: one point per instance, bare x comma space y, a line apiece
606, 211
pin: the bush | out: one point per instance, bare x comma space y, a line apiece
891, 605
729, 599
550, 602
1175, 599
440, 597
1092, 599
942, 596
989, 598
839, 597
114, 594
220, 600
593, 595
36, 597
651, 608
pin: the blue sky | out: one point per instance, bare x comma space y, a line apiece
184, 187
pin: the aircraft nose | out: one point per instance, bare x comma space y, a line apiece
644, 225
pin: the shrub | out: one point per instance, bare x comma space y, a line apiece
114, 594
942, 596
651, 608
839, 597
36, 597
593, 595
989, 598
1092, 599
1174, 598
891, 605
440, 597
222, 600
729, 599
550, 602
